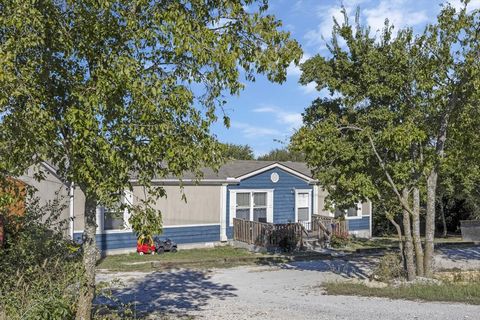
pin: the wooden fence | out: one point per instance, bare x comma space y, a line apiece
286, 235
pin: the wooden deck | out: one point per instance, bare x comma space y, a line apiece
267, 234
288, 235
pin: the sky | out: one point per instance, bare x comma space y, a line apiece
265, 114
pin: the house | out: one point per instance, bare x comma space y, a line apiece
265, 191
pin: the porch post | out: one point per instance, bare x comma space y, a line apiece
315, 199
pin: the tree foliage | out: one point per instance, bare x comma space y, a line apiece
394, 99
39, 270
237, 152
283, 154
107, 89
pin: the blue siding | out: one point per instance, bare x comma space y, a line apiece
181, 235
283, 194
359, 224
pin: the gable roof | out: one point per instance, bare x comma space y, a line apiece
243, 168
233, 170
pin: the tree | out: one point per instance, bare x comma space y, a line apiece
238, 152
104, 89
452, 76
284, 154
392, 100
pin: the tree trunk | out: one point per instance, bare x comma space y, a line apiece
442, 216
417, 242
87, 291
2, 232
430, 222
409, 255
400, 239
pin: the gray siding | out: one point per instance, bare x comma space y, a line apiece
202, 205
49, 189
322, 195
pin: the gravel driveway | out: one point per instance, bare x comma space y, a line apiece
289, 291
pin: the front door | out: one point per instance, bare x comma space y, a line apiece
303, 207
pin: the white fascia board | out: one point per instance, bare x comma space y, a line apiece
277, 165
191, 181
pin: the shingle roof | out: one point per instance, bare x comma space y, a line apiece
238, 168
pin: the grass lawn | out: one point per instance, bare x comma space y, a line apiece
360, 243
385, 243
452, 292
224, 256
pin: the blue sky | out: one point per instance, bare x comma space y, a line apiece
266, 113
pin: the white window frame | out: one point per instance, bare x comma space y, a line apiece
127, 198
250, 204
359, 213
309, 191
233, 204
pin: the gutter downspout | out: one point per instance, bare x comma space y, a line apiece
71, 209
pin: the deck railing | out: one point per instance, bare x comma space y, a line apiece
335, 227
288, 235
268, 234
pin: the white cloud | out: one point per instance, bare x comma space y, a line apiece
401, 13
327, 14
250, 131
294, 70
473, 5
292, 119
397, 12
309, 88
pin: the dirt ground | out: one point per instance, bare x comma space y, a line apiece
287, 291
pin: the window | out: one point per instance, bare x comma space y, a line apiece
353, 212
243, 206
260, 206
303, 205
113, 218
254, 205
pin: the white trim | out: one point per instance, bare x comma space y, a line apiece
117, 231
192, 181
99, 217
164, 227
309, 191
223, 213
71, 211
276, 165
192, 225
359, 213
127, 198
371, 217
233, 205
315, 199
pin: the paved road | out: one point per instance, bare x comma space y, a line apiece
290, 291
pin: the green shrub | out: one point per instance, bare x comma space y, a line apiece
40, 271
389, 267
339, 241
